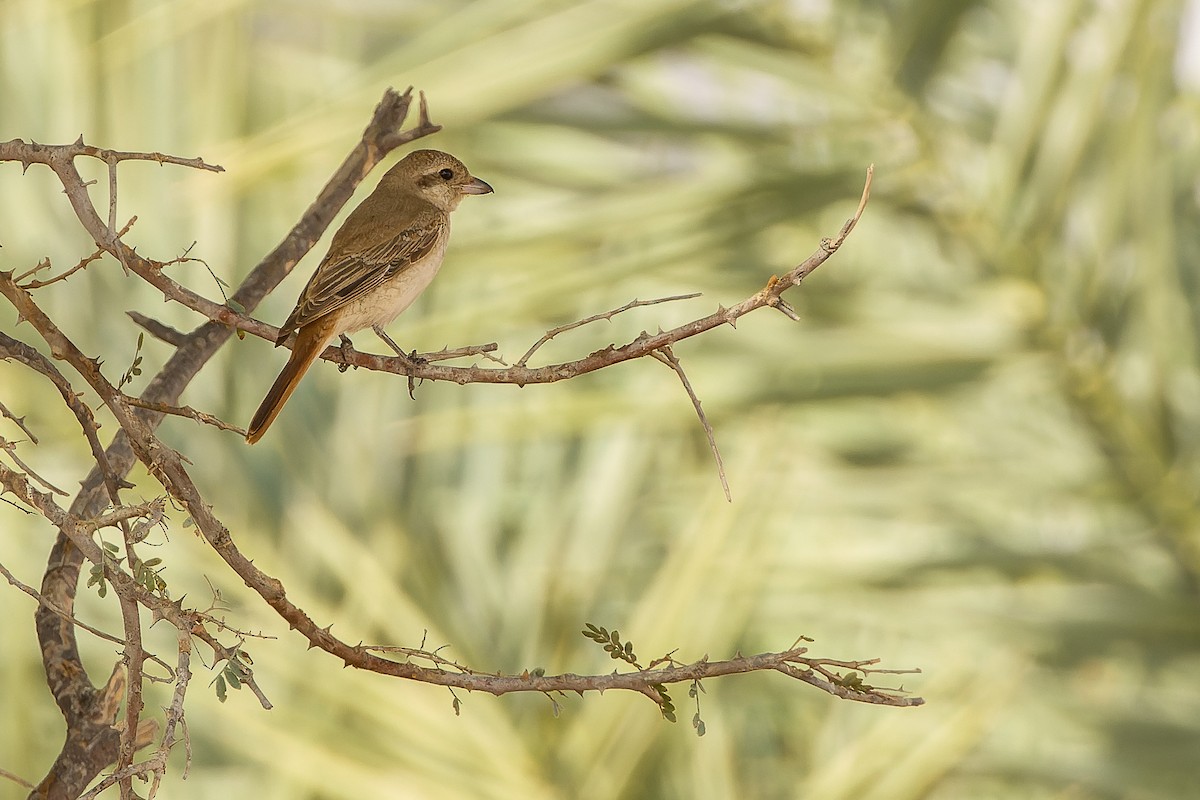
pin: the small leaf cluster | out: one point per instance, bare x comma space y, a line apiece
853, 681
694, 692
111, 558
667, 705
612, 643
135, 368
236, 671
144, 573
611, 640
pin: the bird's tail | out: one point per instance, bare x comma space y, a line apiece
310, 343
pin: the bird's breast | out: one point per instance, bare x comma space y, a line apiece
387, 301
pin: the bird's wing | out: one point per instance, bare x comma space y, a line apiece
346, 276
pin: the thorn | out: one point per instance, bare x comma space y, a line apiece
424, 121
785, 308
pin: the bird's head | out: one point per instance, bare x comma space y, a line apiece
437, 178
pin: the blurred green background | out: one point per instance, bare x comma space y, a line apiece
977, 453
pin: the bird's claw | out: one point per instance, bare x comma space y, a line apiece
413, 360
346, 347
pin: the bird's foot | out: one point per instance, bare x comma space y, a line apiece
414, 361
411, 360
346, 347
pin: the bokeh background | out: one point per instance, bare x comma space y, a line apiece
976, 454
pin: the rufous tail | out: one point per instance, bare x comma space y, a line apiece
310, 343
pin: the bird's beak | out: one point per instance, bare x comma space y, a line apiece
476, 186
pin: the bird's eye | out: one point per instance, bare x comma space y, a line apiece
446, 174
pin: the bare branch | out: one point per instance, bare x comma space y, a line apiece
23, 353
84, 262
18, 421
11, 449
667, 356
185, 411
151, 511
78, 148
158, 330
608, 315
29, 590
17, 779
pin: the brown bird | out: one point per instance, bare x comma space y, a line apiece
381, 259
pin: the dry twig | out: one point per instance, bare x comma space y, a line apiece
666, 356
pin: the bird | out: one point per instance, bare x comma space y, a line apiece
384, 255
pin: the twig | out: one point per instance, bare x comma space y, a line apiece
156, 764
78, 148
157, 329
112, 195
134, 656
223, 653
17, 779
19, 351
667, 356
29, 590
100, 251
11, 449
151, 511
446, 353
18, 421
419, 652
175, 716
54, 609
635, 303
185, 411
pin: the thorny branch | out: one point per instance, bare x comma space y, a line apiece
83, 706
